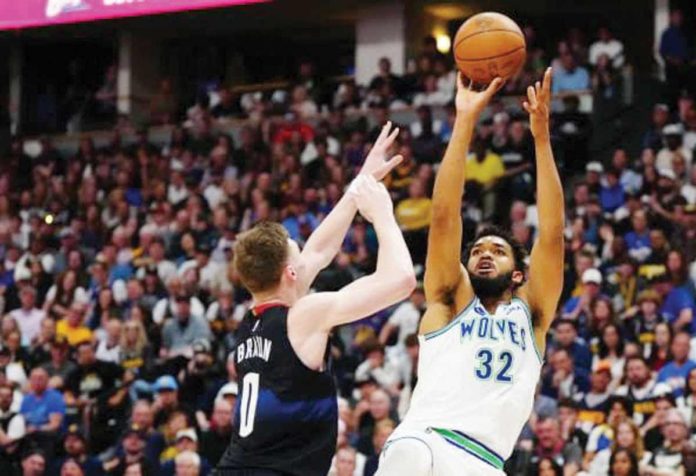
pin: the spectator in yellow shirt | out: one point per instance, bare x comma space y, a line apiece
71, 327
413, 216
483, 169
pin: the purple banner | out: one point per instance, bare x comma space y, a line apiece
16, 14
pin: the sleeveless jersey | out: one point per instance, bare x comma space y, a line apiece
286, 416
477, 377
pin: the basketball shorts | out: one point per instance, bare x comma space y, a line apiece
437, 452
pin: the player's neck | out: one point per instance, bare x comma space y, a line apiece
276, 296
491, 303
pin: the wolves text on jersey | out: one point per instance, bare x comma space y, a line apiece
494, 329
254, 346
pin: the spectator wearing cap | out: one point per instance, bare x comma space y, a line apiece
216, 439
578, 308
167, 402
131, 451
168, 306
201, 379
566, 337
592, 405
142, 416
673, 146
638, 239
644, 318
186, 442
181, 331
75, 448
667, 458
28, 316
59, 367
34, 463
593, 177
674, 373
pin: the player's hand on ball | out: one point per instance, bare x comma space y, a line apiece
376, 163
538, 105
371, 197
471, 102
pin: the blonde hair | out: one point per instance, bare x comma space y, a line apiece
638, 445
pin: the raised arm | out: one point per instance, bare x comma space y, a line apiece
323, 245
444, 273
546, 262
313, 316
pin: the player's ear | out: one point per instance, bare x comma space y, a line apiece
291, 272
517, 277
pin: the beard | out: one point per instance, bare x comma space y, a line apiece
486, 288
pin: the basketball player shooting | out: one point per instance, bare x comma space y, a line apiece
483, 334
286, 417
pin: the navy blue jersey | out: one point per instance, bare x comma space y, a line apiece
286, 417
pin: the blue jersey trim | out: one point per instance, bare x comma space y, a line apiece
528, 312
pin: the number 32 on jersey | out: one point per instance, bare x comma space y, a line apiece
494, 365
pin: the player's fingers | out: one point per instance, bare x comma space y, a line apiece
390, 140
389, 165
460, 81
531, 95
525, 105
494, 87
548, 75
383, 133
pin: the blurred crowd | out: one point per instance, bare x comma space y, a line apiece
119, 307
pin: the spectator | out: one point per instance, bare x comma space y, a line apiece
12, 428
179, 332
34, 463
673, 148
551, 446
188, 463
624, 463
405, 319
72, 328
566, 337
675, 51
569, 76
563, 379
376, 366
215, 440
628, 438
607, 45
43, 410
668, 457
674, 373
28, 317
640, 389
413, 216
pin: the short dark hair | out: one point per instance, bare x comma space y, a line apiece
259, 256
564, 320
518, 251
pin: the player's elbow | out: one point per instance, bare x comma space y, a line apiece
407, 283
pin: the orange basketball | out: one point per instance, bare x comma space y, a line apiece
488, 45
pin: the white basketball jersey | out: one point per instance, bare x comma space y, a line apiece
478, 376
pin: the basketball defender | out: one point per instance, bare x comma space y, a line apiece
286, 416
483, 334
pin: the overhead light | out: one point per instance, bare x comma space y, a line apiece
443, 43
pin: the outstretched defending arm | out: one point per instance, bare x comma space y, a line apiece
323, 245
546, 262
313, 316
444, 274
